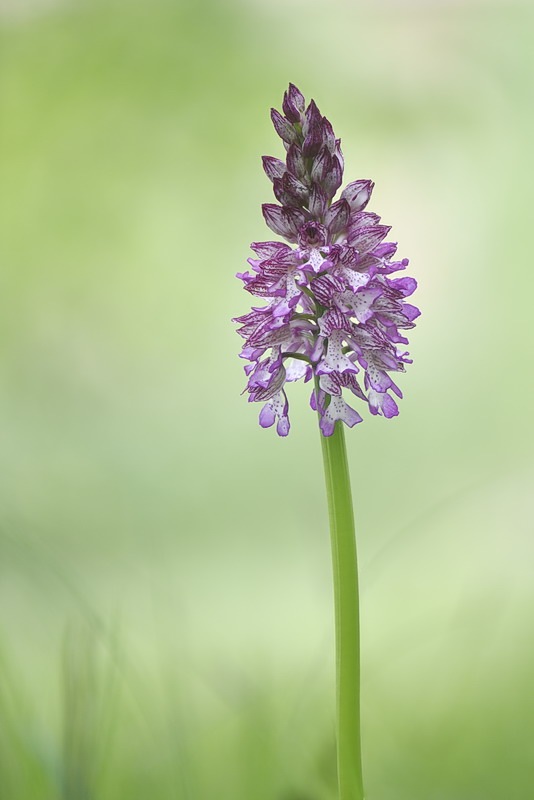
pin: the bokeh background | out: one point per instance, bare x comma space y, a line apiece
166, 615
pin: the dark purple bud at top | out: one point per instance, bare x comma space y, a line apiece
312, 130
312, 234
329, 136
284, 129
339, 155
313, 142
273, 167
312, 119
357, 194
294, 104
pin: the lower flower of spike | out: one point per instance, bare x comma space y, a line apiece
276, 409
338, 409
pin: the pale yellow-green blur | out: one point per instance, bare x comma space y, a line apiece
165, 591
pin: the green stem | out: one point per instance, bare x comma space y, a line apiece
345, 566
299, 356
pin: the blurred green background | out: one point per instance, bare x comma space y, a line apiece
165, 589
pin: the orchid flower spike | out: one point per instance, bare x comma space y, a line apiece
333, 311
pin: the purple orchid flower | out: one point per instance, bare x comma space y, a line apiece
332, 310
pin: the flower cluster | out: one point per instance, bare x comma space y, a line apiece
333, 312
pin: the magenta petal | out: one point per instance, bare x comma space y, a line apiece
405, 285
267, 416
326, 426
283, 426
411, 312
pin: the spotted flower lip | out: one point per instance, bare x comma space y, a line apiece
333, 312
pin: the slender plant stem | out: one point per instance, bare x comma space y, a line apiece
349, 761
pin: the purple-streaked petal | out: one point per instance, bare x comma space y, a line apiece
363, 219
269, 249
337, 217
273, 167
295, 187
322, 163
263, 385
318, 202
296, 163
332, 180
357, 194
312, 130
330, 383
325, 287
279, 221
334, 320
312, 235
283, 127
284, 195
273, 216
365, 239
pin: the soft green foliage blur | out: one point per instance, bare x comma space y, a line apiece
165, 590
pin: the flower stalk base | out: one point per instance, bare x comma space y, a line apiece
347, 618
